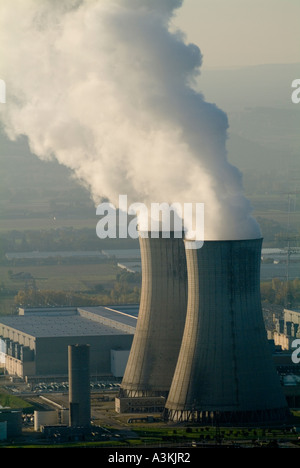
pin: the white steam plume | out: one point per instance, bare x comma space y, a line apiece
104, 87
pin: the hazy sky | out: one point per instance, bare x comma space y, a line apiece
103, 87
235, 33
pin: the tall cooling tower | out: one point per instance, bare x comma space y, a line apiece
225, 370
161, 318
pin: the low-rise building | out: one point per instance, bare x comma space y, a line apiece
34, 343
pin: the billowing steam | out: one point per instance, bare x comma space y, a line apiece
104, 87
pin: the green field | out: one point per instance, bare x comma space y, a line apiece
46, 223
14, 402
60, 285
80, 278
52, 212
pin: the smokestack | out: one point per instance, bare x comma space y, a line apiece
79, 385
225, 370
161, 319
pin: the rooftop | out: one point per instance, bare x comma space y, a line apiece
90, 321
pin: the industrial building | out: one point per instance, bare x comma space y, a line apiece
10, 423
34, 343
286, 329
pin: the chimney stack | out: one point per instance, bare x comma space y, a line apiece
79, 385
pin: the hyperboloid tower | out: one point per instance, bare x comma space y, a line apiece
161, 318
225, 370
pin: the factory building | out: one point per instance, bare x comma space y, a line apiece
34, 343
10, 423
287, 329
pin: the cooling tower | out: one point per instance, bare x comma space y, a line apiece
225, 370
161, 318
79, 385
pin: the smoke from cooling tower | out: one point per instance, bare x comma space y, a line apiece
106, 88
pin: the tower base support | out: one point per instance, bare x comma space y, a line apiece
257, 417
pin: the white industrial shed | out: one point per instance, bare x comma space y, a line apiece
34, 343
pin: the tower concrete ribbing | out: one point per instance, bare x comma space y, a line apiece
161, 319
225, 369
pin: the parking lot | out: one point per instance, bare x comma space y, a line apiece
43, 387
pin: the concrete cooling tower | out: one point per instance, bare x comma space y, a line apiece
225, 371
161, 319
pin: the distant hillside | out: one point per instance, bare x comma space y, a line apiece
274, 128
256, 86
27, 183
250, 156
20, 167
264, 141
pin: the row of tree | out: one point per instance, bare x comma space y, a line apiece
281, 292
50, 298
126, 290
273, 292
72, 239
52, 240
